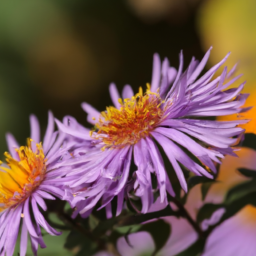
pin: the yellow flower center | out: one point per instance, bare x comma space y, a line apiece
134, 120
22, 177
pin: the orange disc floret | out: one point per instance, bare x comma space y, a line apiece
134, 120
20, 178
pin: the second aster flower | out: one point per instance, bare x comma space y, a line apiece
167, 114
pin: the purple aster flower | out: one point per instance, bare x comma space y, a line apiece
167, 114
28, 178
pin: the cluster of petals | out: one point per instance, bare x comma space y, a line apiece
86, 167
104, 171
46, 184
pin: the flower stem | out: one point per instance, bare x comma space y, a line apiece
184, 213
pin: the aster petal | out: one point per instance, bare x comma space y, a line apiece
23, 239
177, 76
71, 131
35, 131
41, 220
156, 73
28, 221
114, 94
159, 168
200, 67
49, 132
207, 76
53, 190
12, 144
40, 201
188, 143
93, 114
127, 92
13, 231
120, 202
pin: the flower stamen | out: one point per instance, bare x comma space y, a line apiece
20, 178
134, 120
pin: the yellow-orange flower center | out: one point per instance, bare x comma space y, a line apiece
21, 178
134, 120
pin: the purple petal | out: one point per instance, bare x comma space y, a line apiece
23, 239
127, 92
93, 114
49, 132
114, 95
200, 67
34, 131
12, 145
28, 221
156, 73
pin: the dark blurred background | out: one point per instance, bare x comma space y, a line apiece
55, 54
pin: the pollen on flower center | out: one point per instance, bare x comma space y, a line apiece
135, 119
22, 177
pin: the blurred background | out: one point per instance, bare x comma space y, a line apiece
55, 54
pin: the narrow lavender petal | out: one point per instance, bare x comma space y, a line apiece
45, 195
34, 131
159, 168
188, 143
41, 221
126, 169
34, 244
40, 201
114, 94
209, 73
23, 239
12, 144
92, 203
93, 114
232, 71
172, 72
49, 132
156, 73
177, 76
4, 228
120, 202
178, 171
142, 161
28, 221
51, 189
214, 124
13, 231
200, 67
127, 92
67, 130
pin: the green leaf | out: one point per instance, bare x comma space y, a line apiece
127, 229
240, 191
93, 221
195, 180
160, 232
205, 188
79, 244
194, 250
247, 173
